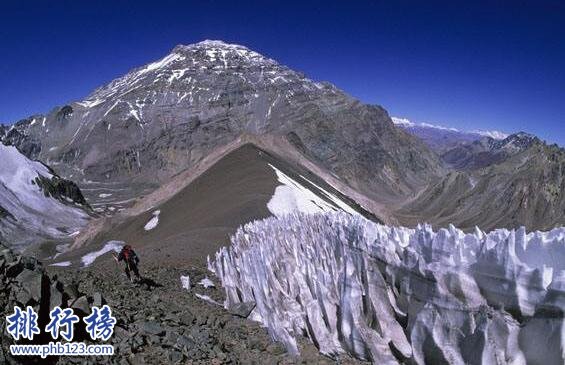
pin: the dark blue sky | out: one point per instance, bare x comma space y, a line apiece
483, 65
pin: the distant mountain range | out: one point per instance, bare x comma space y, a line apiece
495, 179
441, 138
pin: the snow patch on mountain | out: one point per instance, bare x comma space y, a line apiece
110, 246
393, 295
207, 298
185, 282
435, 126
402, 122
173, 57
17, 174
61, 264
292, 196
206, 283
153, 222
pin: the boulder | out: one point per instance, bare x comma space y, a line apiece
14, 269
8, 255
30, 263
55, 297
32, 282
151, 327
81, 304
242, 309
186, 318
171, 336
174, 356
185, 343
98, 301
22, 296
71, 290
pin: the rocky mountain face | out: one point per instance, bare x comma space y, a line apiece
494, 180
159, 322
35, 204
487, 151
164, 117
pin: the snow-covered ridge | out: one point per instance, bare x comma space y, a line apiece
405, 123
393, 294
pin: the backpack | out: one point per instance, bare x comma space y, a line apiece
129, 254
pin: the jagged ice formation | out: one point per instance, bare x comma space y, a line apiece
397, 295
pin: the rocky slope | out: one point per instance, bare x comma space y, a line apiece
518, 181
35, 204
487, 151
164, 117
158, 321
3, 131
245, 185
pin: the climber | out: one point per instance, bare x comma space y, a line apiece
128, 255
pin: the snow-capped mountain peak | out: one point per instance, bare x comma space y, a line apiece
218, 50
402, 122
185, 72
517, 141
492, 134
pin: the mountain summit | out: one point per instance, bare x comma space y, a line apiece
201, 99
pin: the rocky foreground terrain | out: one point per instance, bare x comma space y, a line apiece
159, 321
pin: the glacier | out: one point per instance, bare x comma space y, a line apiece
395, 295
27, 213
